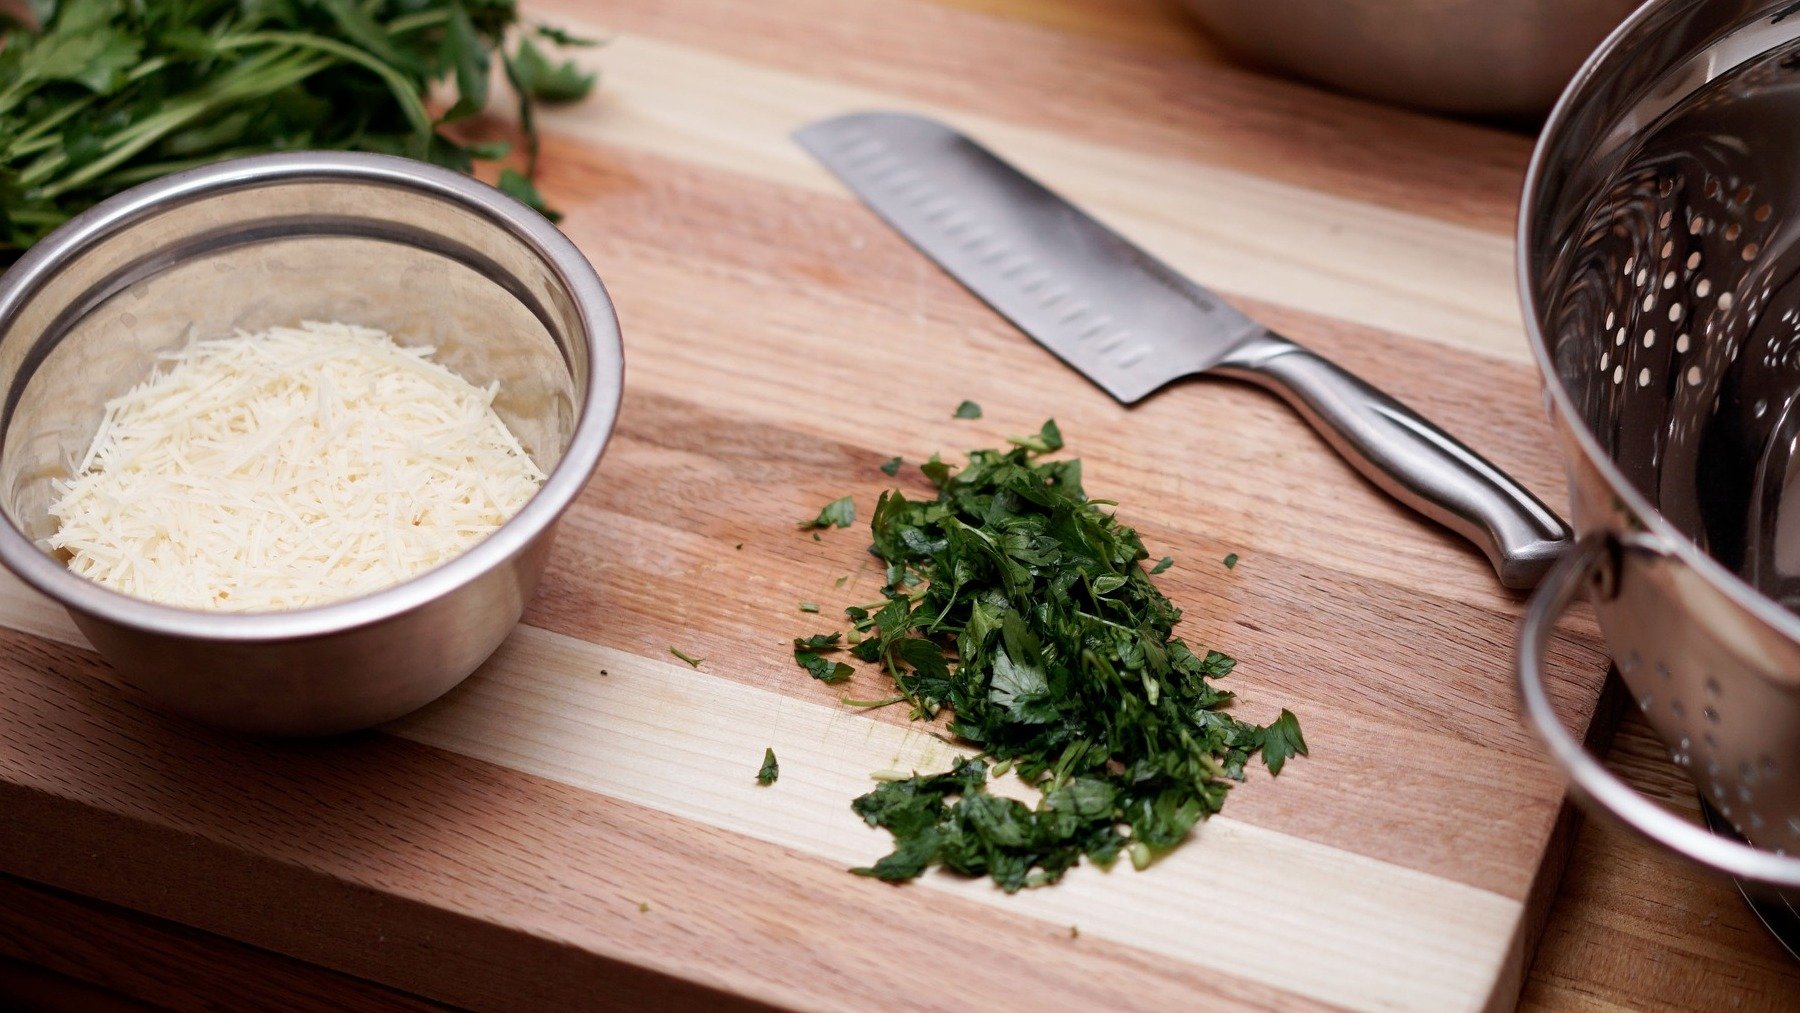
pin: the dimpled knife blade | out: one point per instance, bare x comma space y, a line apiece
1129, 323
1124, 319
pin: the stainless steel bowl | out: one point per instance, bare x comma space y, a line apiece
1475, 57
431, 256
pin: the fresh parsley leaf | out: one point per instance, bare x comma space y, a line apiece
547, 81
770, 769
938, 471
1281, 740
692, 661
891, 466
809, 654
1231, 561
1020, 606
838, 512
1162, 564
968, 410
829, 672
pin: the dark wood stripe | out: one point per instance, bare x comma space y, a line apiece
103, 951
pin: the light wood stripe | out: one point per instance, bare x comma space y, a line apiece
1309, 918
1229, 230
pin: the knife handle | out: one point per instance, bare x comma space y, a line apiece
1412, 460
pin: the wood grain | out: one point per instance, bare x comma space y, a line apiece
552, 836
1634, 927
158, 962
1242, 232
478, 885
1096, 84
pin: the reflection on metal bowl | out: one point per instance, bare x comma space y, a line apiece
1503, 58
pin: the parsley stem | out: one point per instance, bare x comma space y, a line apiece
873, 704
269, 77
414, 22
404, 93
1108, 622
38, 131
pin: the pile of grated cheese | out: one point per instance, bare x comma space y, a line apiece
290, 468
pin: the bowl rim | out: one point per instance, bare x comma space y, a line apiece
596, 318
1669, 539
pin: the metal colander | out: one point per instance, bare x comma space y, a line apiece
1659, 252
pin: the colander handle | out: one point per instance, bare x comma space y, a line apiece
1597, 788
1409, 458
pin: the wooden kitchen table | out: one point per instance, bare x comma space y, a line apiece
579, 824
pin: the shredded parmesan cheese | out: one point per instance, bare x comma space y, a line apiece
289, 468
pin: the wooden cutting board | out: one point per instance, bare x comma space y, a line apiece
580, 823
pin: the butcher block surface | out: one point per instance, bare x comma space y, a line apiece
580, 822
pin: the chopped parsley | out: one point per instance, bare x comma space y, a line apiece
891, 466
968, 410
1231, 561
1046, 440
690, 659
809, 606
809, 653
1162, 564
770, 769
1018, 605
1281, 740
839, 512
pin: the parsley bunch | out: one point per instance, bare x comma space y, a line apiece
1019, 605
110, 93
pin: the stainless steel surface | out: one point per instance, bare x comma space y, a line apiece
1777, 911
1592, 781
1485, 57
1132, 324
1659, 239
429, 255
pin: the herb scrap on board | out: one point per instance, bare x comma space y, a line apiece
839, 513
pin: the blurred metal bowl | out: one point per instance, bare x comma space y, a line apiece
426, 254
1503, 58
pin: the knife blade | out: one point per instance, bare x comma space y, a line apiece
1121, 317
1131, 324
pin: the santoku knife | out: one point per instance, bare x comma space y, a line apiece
1131, 324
